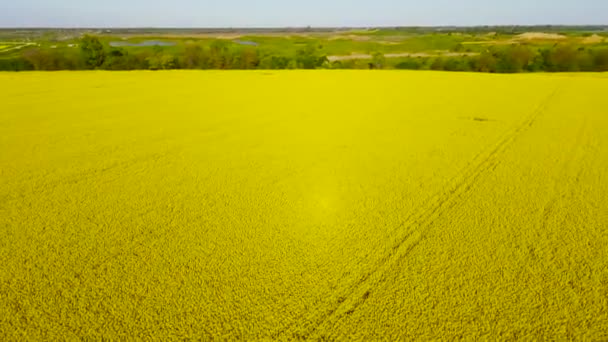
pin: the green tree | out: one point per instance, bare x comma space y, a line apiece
92, 52
486, 62
538, 63
309, 58
15, 64
163, 61
438, 64
246, 58
116, 59
584, 60
547, 60
410, 64
457, 64
600, 60
516, 58
564, 58
378, 61
337, 65
274, 62
293, 64
193, 57
52, 59
168, 62
220, 56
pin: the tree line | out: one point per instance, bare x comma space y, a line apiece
518, 58
93, 55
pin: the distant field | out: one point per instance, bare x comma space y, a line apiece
310, 205
512, 49
331, 42
357, 42
8, 47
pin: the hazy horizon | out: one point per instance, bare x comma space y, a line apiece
282, 27
313, 13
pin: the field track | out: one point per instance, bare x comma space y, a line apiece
322, 205
454, 191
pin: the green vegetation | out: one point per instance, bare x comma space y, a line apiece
485, 49
515, 59
93, 52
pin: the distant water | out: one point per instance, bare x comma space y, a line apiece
245, 42
142, 44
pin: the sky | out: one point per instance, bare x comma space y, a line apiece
298, 13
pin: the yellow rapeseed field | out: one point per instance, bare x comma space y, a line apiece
338, 205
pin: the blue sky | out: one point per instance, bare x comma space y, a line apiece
280, 13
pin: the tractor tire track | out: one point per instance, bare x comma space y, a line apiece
357, 293
569, 167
